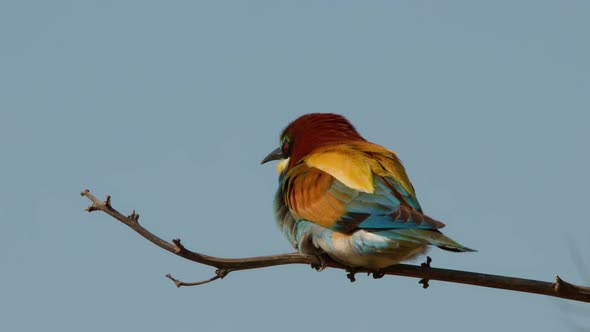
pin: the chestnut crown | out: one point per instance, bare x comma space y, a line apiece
310, 132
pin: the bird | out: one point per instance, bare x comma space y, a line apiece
350, 199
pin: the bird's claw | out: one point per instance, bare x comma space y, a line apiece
318, 263
378, 275
351, 273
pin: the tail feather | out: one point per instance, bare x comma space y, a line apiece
432, 237
460, 248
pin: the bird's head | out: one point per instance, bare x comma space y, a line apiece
308, 133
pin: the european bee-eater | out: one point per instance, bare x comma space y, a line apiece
346, 197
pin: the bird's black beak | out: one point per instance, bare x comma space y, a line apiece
275, 155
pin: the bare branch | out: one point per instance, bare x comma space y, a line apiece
426, 273
219, 274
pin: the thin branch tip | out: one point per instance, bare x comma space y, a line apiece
558, 282
425, 265
107, 202
175, 281
178, 247
180, 283
561, 285
134, 216
424, 282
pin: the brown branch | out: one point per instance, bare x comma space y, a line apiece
219, 274
224, 266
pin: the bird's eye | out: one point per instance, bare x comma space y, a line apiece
286, 147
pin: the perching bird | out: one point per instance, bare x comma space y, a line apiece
346, 197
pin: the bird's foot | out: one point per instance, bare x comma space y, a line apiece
318, 262
352, 271
426, 265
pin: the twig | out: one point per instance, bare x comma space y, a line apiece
559, 289
219, 274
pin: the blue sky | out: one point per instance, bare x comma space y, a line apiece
170, 106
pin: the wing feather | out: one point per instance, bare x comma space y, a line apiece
340, 199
